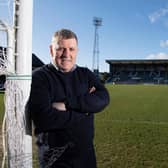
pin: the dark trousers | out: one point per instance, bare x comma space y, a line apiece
65, 156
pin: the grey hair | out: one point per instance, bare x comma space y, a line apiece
63, 34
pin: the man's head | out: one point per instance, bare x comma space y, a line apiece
63, 49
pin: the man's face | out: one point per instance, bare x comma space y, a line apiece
64, 53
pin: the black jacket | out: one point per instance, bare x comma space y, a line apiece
76, 124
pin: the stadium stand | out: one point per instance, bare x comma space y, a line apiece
138, 71
36, 62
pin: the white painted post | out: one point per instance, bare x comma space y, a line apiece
10, 50
20, 154
24, 62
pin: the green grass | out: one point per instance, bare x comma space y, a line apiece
1, 107
132, 132
1, 118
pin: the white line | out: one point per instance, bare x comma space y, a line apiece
139, 122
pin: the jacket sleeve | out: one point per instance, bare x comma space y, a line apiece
90, 102
44, 116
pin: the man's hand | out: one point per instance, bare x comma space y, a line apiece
59, 106
92, 89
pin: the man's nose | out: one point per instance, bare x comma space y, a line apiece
66, 53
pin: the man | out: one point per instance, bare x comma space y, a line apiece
62, 103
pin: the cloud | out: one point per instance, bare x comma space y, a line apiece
158, 14
158, 56
164, 44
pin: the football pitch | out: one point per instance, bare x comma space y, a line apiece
132, 132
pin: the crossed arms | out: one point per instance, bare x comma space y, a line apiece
61, 105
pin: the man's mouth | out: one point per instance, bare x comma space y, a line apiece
66, 60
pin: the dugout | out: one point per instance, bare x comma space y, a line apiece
138, 71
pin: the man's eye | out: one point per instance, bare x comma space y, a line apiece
59, 49
71, 49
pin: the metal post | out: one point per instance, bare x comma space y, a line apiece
95, 65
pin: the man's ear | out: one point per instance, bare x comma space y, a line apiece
51, 50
